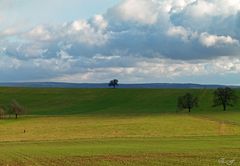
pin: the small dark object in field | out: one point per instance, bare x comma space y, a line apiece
24, 131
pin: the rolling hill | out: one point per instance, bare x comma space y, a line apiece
60, 101
69, 126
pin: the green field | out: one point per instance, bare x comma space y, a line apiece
117, 127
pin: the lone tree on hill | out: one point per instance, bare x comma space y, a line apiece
113, 83
16, 108
225, 97
188, 101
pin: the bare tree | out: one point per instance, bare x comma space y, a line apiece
113, 83
2, 113
16, 108
188, 101
225, 97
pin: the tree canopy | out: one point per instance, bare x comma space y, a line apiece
113, 83
188, 101
16, 108
225, 97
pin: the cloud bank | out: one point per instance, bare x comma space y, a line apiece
135, 41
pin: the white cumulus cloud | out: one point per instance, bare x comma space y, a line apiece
214, 40
142, 11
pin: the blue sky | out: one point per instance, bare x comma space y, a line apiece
135, 41
53, 11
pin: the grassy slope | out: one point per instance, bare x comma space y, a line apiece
103, 101
131, 133
120, 140
65, 128
132, 151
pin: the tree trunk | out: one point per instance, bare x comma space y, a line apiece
224, 107
189, 109
16, 116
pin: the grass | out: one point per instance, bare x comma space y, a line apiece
167, 139
124, 151
77, 127
65, 128
117, 127
104, 101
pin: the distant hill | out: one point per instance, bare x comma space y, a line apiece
105, 85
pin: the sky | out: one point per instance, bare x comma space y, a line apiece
135, 41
